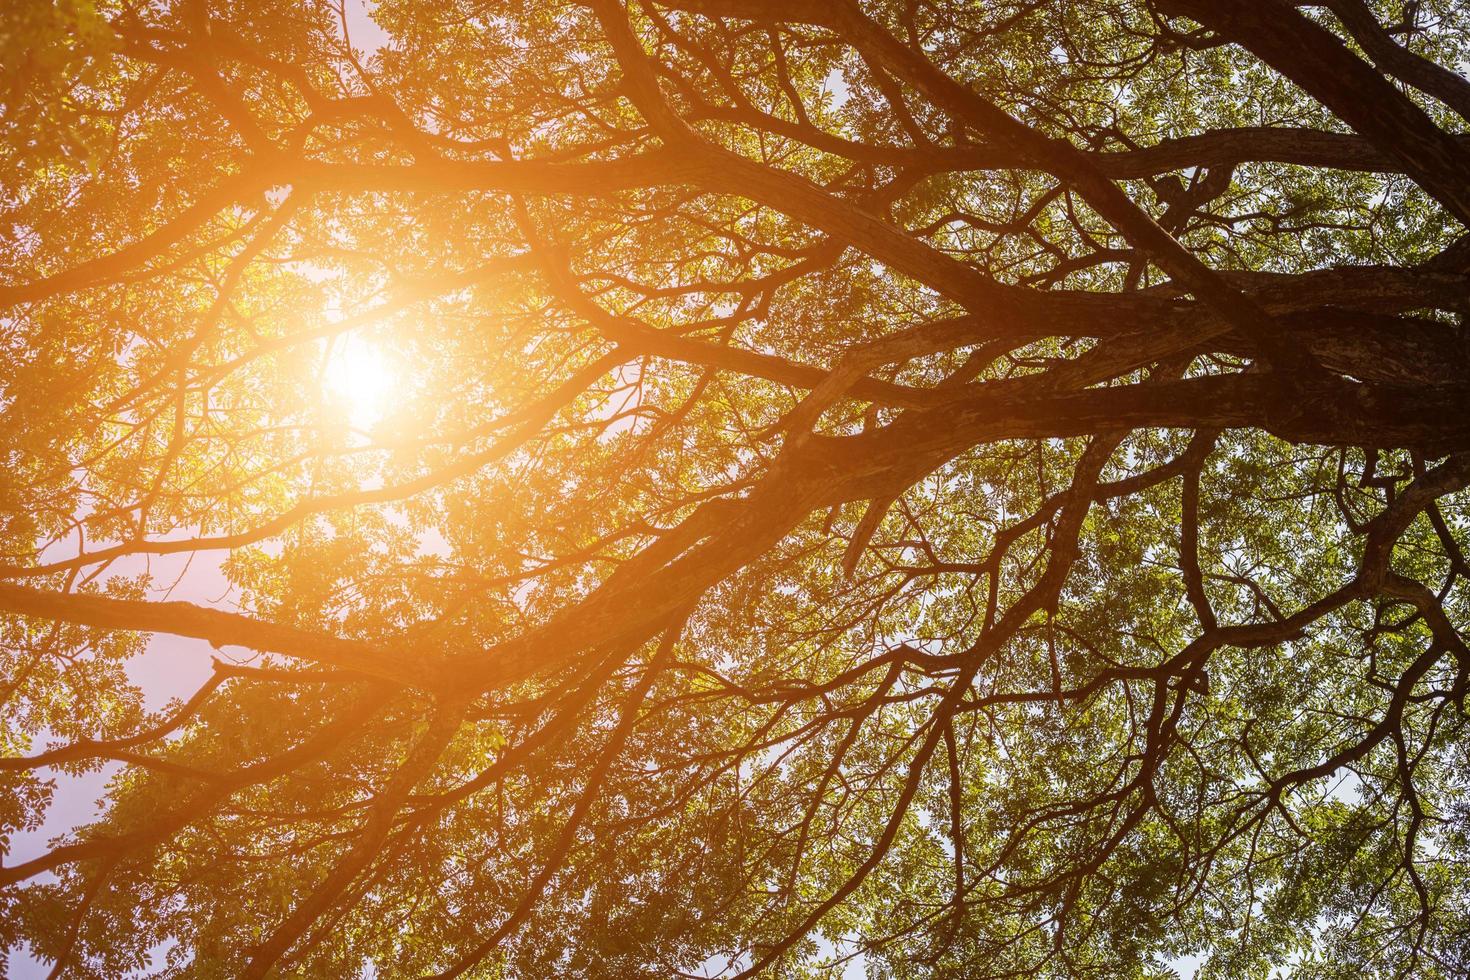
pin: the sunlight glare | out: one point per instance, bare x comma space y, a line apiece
359, 377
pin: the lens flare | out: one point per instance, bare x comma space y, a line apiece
360, 378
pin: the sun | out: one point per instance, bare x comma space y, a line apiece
361, 378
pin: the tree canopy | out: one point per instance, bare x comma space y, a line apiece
734, 487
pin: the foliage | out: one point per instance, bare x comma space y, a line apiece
923, 489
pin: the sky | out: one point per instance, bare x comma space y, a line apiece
174, 667
171, 667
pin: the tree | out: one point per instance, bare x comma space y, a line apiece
963, 489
